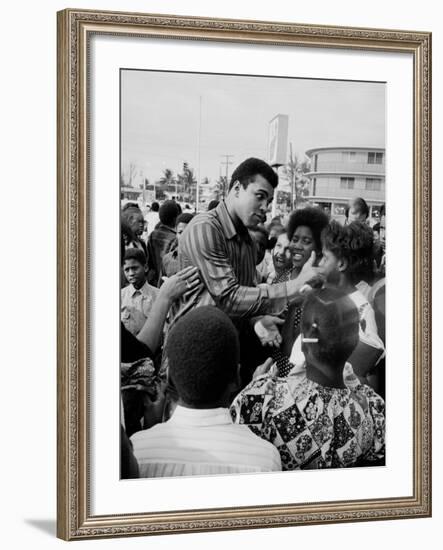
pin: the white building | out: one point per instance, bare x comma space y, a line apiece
339, 174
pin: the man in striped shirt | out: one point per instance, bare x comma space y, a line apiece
200, 437
218, 243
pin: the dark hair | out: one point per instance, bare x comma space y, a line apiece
128, 213
382, 210
212, 204
376, 227
312, 217
168, 213
361, 206
131, 205
186, 217
355, 244
155, 206
203, 351
332, 317
246, 171
126, 230
135, 254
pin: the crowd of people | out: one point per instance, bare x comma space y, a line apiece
249, 344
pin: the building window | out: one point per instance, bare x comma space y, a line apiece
347, 183
375, 158
373, 184
349, 156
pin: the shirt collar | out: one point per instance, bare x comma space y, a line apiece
200, 417
230, 229
167, 228
142, 290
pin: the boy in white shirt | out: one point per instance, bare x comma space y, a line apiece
138, 297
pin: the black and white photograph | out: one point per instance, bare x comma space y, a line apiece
252, 274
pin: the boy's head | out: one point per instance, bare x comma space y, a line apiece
182, 222
260, 236
169, 212
203, 352
348, 252
251, 191
134, 267
329, 327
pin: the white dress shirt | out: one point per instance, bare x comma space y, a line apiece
202, 442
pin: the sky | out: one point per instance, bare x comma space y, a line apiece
169, 118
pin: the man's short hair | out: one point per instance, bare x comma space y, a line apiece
155, 207
203, 351
311, 216
168, 213
185, 217
361, 206
135, 254
353, 243
249, 168
130, 205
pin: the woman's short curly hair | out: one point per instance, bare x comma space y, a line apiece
353, 243
312, 217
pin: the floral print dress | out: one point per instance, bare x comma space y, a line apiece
314, 426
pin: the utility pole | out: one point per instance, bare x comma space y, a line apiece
227, 162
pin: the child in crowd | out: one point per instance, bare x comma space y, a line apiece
200, 437
138, 297
170, 261
312, 417
347, 259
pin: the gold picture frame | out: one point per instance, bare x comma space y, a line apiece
75, 28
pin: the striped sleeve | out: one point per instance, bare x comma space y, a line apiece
206, 247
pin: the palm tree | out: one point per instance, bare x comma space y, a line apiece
187, 179
168, 180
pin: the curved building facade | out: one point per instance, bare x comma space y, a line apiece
339, 174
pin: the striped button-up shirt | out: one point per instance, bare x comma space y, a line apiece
225, 256
202, 442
